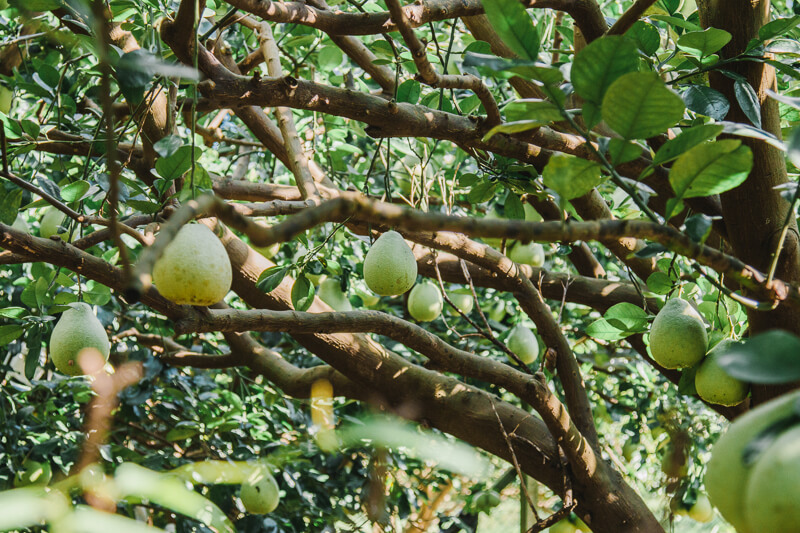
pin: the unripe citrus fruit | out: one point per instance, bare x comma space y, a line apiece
194, 268
330, 291
77, 329
773, 489
678, 336
367, 296
20, 224
390, 267
702, 511
51, 222
713, 384
563, 526
726, 473
531, 214
463, 301
268, 251
487, 500
522, 341
260, 493
425, 302
527, 254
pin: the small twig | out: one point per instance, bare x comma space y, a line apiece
428, 74
629, 18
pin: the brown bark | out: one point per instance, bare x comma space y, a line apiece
755, 212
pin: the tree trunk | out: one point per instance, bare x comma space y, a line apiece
755, 212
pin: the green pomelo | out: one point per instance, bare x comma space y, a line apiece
463, 301
522, 341
77, 329
390, 267
268, 251
702, 511
425, 302
713, 384
194, 268
367, 296
772, 495
726, 474
260, 493
678, 336
20, 224
51, 223
563, 526
527, 254
494, 243
330, 291
33, 473
531, 214
498, 311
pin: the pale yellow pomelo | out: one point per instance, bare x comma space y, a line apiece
726, 473
713, 384
260, 493
367, 296
20, 224
678, 336
330, 291
51, 222
527, 254
77, 329
425, 302
772, 495
463, 301
702, 511
316, 279
390, 267
194, 268
522, 341
498, 311
563, 526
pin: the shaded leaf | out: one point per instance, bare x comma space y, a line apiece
769, 358
638, 106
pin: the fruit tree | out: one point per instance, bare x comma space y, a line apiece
365, 265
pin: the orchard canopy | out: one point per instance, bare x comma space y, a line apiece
452, 265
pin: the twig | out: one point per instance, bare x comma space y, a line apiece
630, 17
428, 75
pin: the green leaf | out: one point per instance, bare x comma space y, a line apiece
698, 227
514, 209
409, 91
603, 330
75, 191
638, 106
620, 151
168, 145
686, 383
13, 312
706, 101
768, 358
571, 176
679, 22
645, 36
659, 283
600, 64
513, 24
777, 27
330, 57
687, 139
271, 278
531, 109
33, 340
748, 100
9, 206
514, 127
703, 43
36, 5
711, 168
482, 192
627, 317
302, 293
177, 164
97, 294
10, 333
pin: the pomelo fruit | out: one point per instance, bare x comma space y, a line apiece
726, 474
390, 267
527, 254
463, 301
425, 302
563, 526
330, 291
678, 336
52, 223
20, 224
260, 493
772, 493
77, 329
701, 511
268, 251
713, 384
367, 296
522, 341
194, 268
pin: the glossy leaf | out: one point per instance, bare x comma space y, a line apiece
638, 106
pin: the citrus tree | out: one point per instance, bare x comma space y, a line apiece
291, 266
